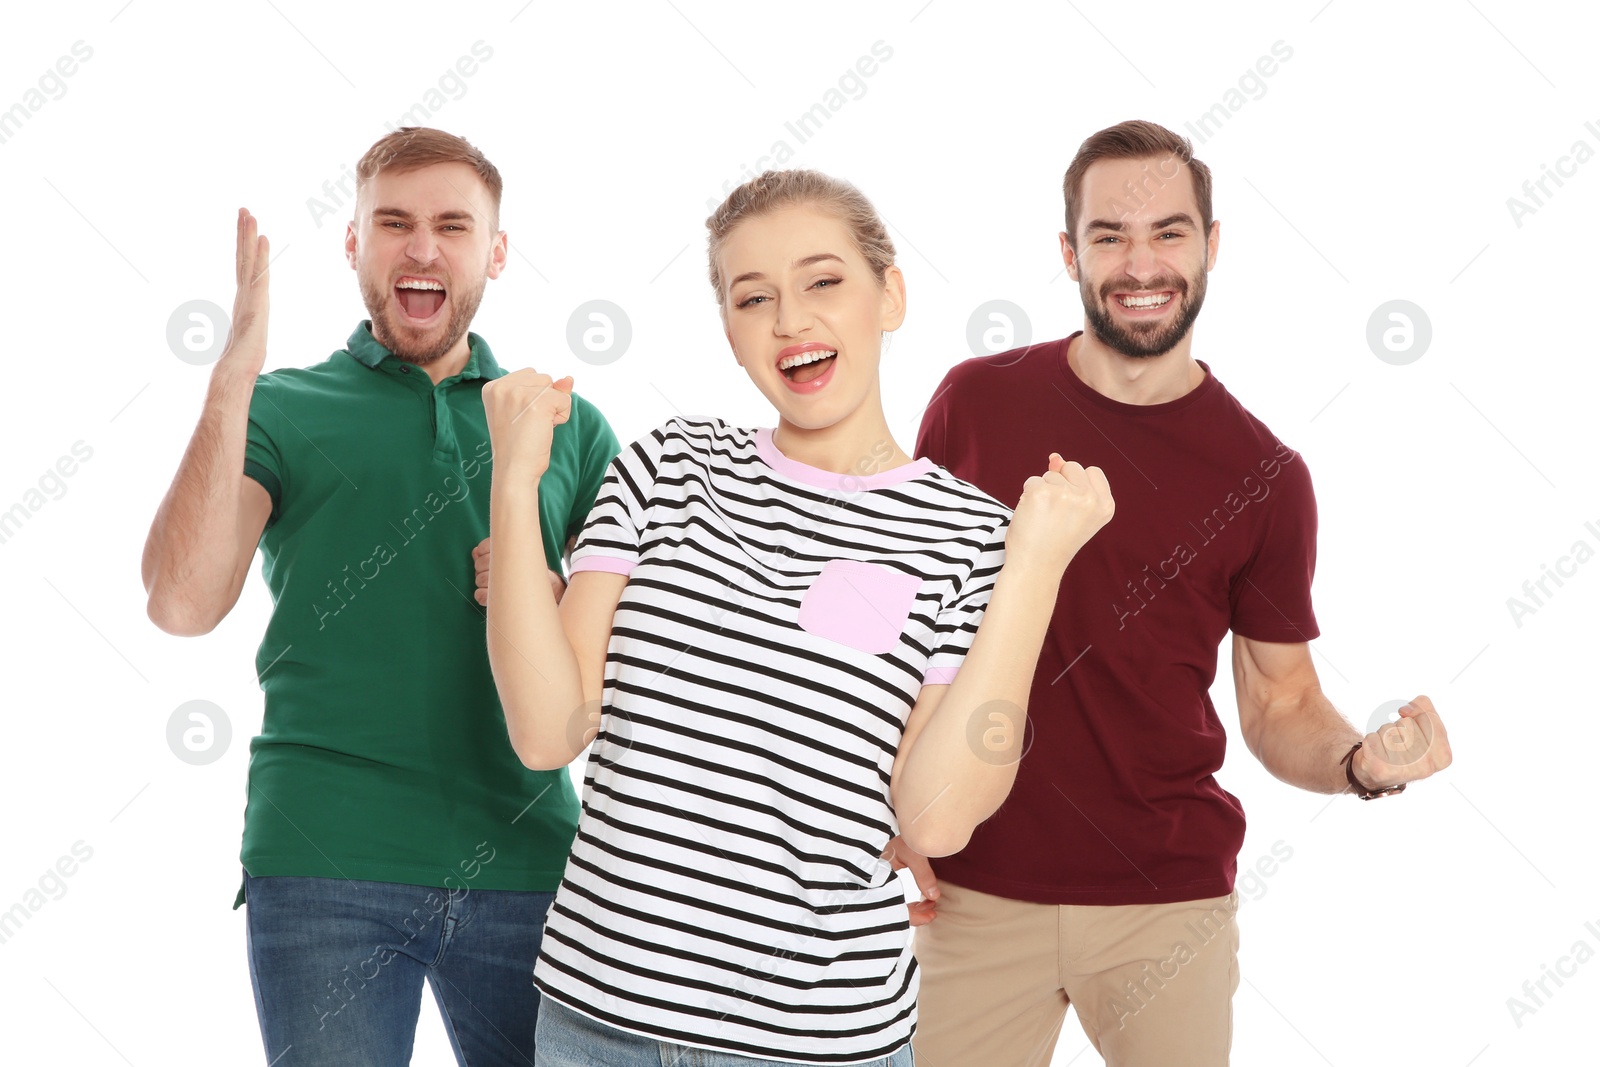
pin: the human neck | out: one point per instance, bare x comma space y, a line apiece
451, 363
1129, 380
446, 366
859, 444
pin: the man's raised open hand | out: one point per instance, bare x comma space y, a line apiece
247, 335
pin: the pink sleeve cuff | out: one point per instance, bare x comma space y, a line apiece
609, 564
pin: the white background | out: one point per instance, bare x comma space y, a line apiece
1374, 164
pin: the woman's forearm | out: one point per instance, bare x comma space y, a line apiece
533, 663
962, 764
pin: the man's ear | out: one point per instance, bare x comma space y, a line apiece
1213, 239
497, 254
350, 243
1069, 257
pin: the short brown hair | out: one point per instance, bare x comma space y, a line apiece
1134, 139
415, 147
775, 189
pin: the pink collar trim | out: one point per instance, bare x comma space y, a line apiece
794, 470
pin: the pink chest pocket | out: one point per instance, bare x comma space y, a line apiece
864, 606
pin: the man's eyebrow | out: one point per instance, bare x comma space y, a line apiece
406, 216
806, 261
1179, 218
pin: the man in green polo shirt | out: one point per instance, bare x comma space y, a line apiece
391, 834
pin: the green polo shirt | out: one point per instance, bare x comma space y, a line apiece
383, 752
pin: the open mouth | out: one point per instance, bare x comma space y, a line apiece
420, 299
803, 367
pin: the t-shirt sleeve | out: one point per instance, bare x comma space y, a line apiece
931, 436
597, 449
957, 623
611, 538
1271, 595
262, 459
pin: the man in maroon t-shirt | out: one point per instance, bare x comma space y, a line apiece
1107, 877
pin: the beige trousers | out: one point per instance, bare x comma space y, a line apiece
1153, 984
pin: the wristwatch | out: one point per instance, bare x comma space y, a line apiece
1356, 787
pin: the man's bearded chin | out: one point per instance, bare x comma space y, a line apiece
1144, 340
396, 338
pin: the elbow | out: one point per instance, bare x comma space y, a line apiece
933, 838
173, 616
535, 755
938, 829
540, 760
1267, 711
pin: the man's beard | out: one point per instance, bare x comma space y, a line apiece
1139, 340
391, 335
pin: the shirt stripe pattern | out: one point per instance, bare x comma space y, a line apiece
726, 888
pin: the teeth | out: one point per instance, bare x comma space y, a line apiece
1145, 301
414, 283
790, 362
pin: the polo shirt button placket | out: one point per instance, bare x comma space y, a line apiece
444, 431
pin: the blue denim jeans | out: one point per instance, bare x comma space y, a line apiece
338, 968
571, 1039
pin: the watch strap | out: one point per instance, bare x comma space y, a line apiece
1356, 787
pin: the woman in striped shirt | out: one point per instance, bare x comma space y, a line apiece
771, 637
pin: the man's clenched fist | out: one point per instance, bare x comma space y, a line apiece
480, 574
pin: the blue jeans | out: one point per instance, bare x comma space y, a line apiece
338, 967
571, 1039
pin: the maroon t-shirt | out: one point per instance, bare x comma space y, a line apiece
1215, 530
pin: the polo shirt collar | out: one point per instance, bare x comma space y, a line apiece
366, 350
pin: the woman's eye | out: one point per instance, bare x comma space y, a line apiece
824, 282
749, 300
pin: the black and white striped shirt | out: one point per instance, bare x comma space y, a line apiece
726, 889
